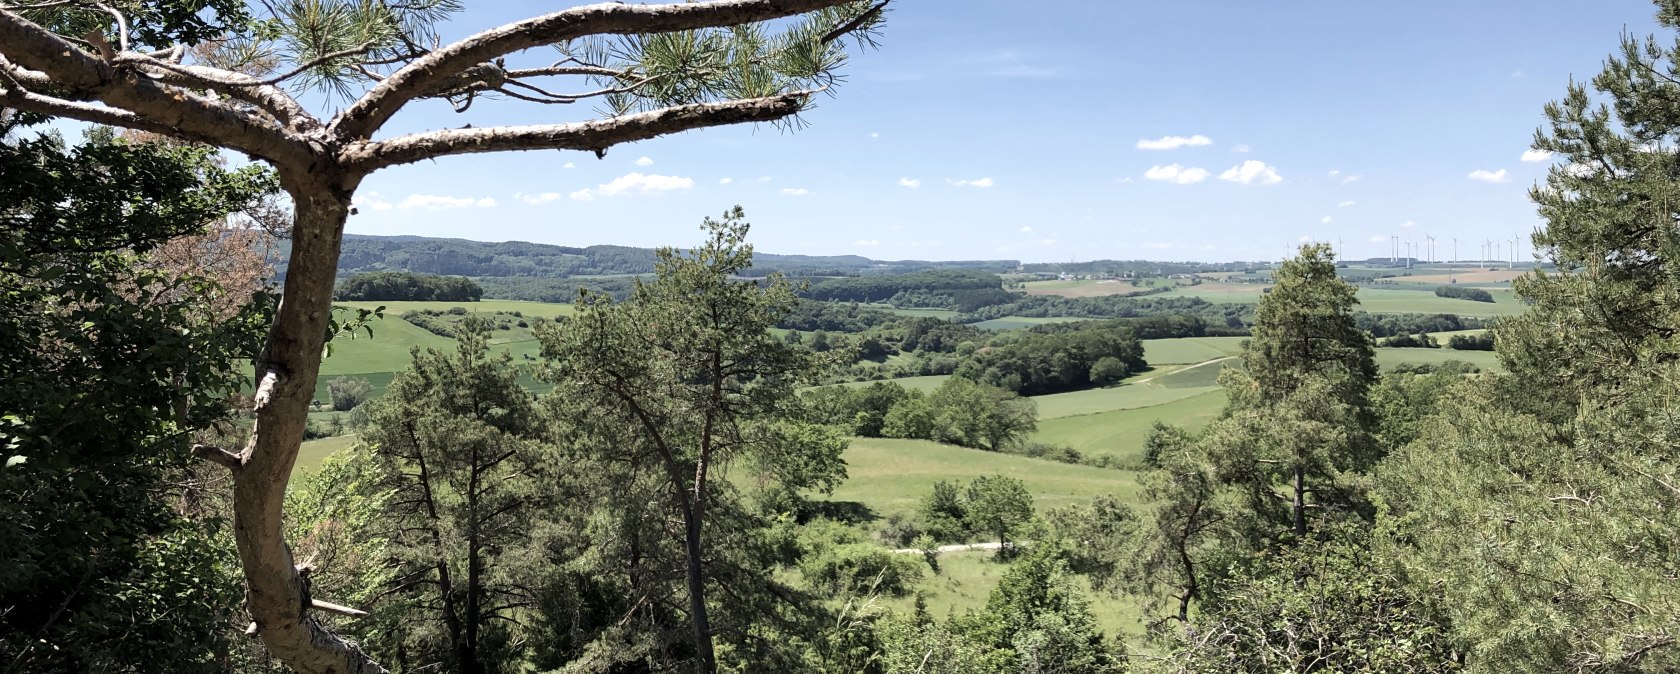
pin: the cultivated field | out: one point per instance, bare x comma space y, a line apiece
891, 476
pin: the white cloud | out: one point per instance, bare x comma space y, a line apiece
764, 179
645, 161
725, 181
875, 134
1240, 148
1173, 142
1536, 156
1346, 204
371, 200
1380, 239
1408, 224
866, 242
1178, 175
1252, 172
568, 165
1489, 176
1333, 173
1518, 75
1352, 179
1123, 181
535, 199
1325, 220
433, 202
977, 182
911, 183
635, 183
1027, 229
795, 191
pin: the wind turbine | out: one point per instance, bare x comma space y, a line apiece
1455, 260
1431, 256
1411, 250
1513, 251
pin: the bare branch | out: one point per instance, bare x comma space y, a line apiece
335, 608
593, 136
217, 455
286, 111
149, 104
426, 75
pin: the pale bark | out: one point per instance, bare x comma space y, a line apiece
320, 166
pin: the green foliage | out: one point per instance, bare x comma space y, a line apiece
944, 513
109, 368
839, 561
347, 393
1541, 503
1481, 342
1464, 293
654, 394
937, 289
407, 287
455, 445
1388, 325
1035, 363
1324, 606
1418, 341
1000, 505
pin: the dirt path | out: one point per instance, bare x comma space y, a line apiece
951, 548
1187, 369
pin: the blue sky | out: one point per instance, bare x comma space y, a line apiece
1007, 129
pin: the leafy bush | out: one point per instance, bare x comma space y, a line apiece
1481, 342
1462, 293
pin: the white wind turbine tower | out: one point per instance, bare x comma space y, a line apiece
1430, 256
1514, 241
1455, 260
1411, 248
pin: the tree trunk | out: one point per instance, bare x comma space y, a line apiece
1300, 505
276, 595
469, 651
706, 661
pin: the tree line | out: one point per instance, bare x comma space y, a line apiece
395, 286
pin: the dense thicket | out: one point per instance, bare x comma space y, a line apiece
959, 412
402, 286
1464, 293
1034, 363
554, 290
1548, 498
834, 317
1232, 316
111, 365
1385, 325
943, 289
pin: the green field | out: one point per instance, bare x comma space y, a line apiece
891, 476
1121, 433
1190, 349
1150, 389
1388, 358
1402, 299
377, 359
314, 452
